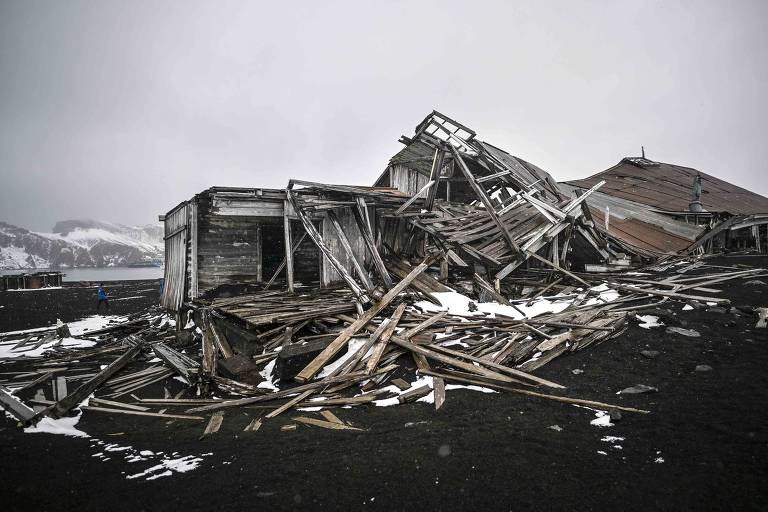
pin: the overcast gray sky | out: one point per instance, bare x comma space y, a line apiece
119, 110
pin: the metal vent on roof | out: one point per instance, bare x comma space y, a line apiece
642, 162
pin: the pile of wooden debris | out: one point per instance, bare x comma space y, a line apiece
319, 349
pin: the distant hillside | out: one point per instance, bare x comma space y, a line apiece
80, 243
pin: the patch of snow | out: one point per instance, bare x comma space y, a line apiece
648, 321
267, 375
687, 307
603, 419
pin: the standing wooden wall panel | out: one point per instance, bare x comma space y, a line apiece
175, 258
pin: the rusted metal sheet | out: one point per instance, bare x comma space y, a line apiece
668, 187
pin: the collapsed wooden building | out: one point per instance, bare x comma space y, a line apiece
462, 264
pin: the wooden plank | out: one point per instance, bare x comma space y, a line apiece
468, 379
414, 394
72, 400
352, 377
288, 250
316, 364
214, 424
253, 426
293, 401
15, 406
142, 413
381, 344
414, 197
439, 389
434, 175
324, 424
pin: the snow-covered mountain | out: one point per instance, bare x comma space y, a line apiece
80, 243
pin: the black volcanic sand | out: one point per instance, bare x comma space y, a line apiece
40, 308
480, 452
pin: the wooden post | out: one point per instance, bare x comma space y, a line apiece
434, 175
363, 222
288, 248
259, 266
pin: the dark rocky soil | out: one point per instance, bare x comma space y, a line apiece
480, 452
38, 308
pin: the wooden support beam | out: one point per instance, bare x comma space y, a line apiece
364, 224
288, 251
434, 175
282, 264
414, 197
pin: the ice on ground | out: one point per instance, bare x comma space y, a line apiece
611, 439
648, 321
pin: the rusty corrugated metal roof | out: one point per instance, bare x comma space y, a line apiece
638, 227
668, 187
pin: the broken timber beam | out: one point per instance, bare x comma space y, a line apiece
313, 367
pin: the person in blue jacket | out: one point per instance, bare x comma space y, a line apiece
103, 298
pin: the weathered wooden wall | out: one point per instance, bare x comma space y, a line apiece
231, 232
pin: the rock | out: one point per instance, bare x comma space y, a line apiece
685, 332
614, 414
650, 354
638, 389
716, 309
577, 371
703, 368
556, 428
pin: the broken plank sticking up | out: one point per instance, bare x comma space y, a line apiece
214, 424
438, 387
72, 400
313, 367
15, 406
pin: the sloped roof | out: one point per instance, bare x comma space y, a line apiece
668, 187
640, 228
